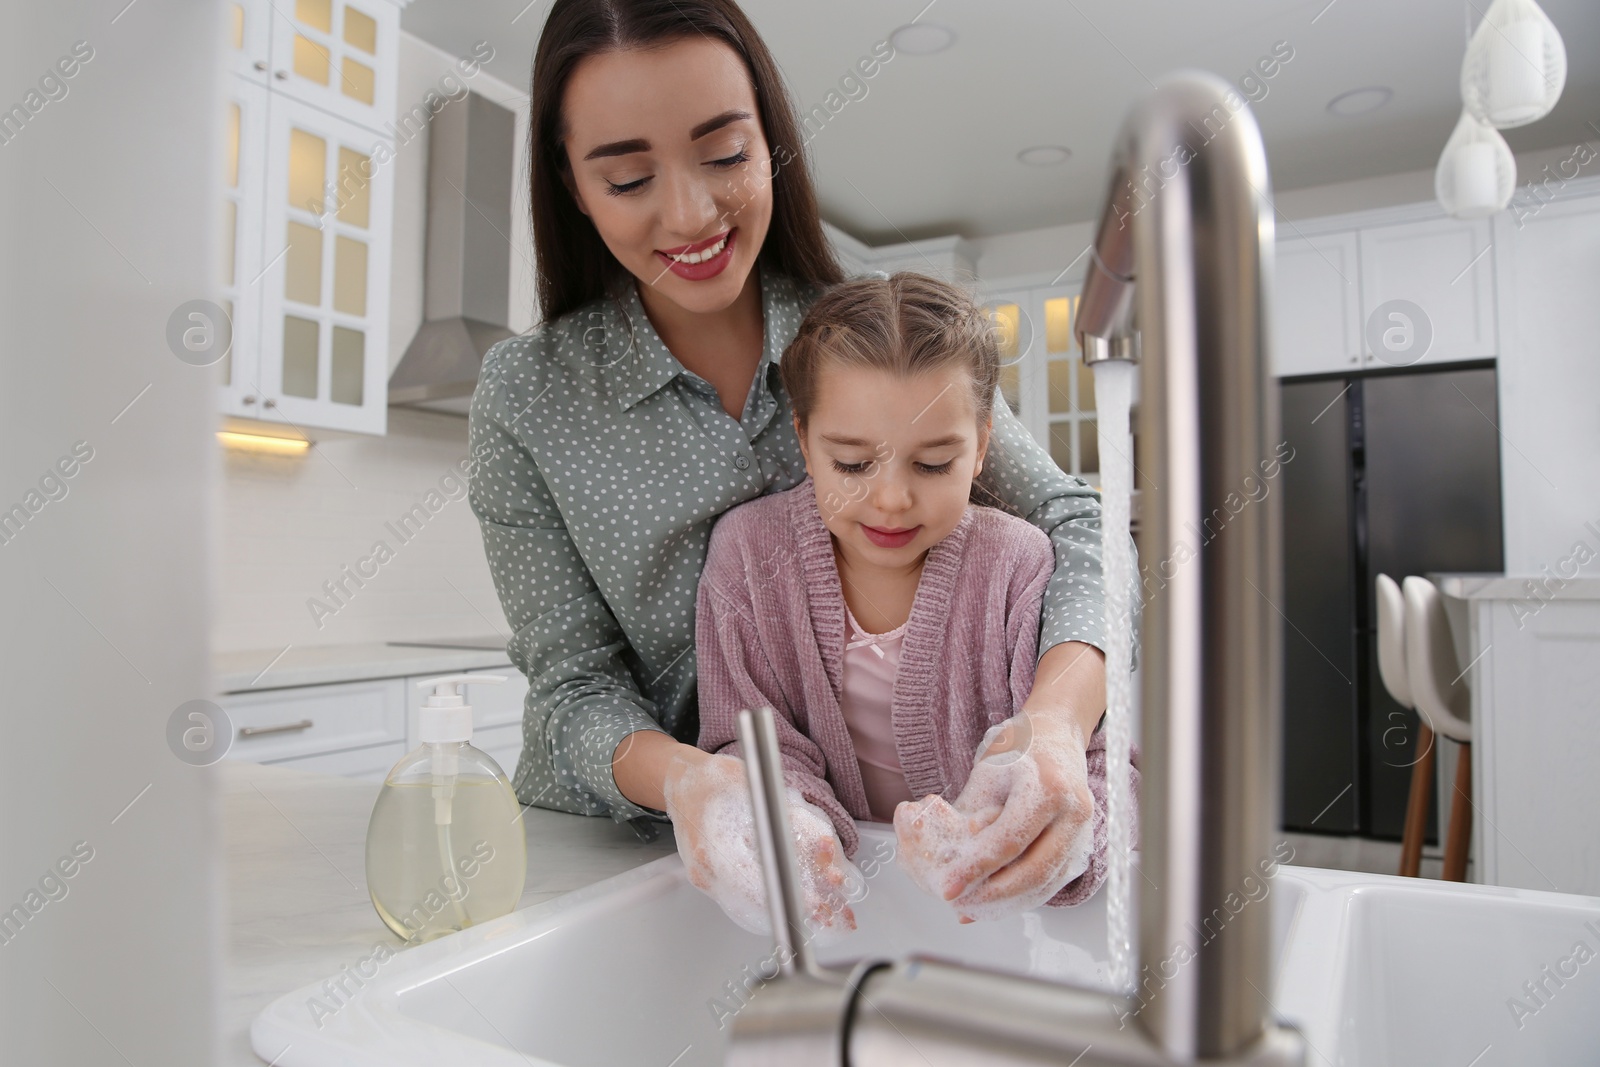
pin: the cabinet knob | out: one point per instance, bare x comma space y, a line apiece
281, 75
260, 64
247, 400
269, 403
1355, 359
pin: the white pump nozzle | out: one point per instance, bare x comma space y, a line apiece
446, 716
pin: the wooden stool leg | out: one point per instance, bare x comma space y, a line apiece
1455, 849
1417, 806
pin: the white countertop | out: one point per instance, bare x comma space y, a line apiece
276, 668
298, 911
1516, 587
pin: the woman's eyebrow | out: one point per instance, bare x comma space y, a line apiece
639, 144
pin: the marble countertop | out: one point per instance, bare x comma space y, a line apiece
274, 668
297, 907
1515, 587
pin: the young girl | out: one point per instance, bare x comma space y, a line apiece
891, 623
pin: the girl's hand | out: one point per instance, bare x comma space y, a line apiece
1021, 829
709, 804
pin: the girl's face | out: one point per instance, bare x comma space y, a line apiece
668, 159
893, 459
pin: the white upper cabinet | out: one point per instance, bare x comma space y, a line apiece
244, 178
338, 56
324, 340
309, 212
1428, 292
1317, 305
250, 39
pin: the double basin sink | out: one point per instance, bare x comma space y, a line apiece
645, 969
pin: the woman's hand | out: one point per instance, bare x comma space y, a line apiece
708, 801
1022, 828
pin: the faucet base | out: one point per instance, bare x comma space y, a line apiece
929, 1013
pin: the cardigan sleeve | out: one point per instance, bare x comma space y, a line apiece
1023, 478
733, 673
1027, 588
582, 699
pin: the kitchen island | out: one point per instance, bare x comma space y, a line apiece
297, 905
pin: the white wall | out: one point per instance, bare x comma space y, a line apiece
108, 223
291, 523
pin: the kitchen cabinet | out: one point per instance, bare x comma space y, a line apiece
354, 728
360, 729
310, 213
244, 196
323, 292
1442, 268
1317, 305
338, 56
1042, 374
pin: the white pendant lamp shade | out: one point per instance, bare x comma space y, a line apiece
1516, 65
1477, 173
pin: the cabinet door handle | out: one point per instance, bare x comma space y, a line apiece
269, 403
248, 400
261, 64
281, 75
284, 727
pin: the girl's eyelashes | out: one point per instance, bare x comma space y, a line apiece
925, 468
613, 189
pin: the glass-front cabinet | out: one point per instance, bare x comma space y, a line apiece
308, 212
1043, 376
325, 280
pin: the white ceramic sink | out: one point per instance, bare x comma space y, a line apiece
644, 969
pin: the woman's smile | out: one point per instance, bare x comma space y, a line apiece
706, 259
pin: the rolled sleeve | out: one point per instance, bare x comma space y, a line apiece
582, 698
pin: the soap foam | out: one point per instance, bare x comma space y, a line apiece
942, 841
737, 881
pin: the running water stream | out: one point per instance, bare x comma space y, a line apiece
1113, 386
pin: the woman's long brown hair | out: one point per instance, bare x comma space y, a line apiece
572, 264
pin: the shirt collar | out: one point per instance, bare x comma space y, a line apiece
650, 365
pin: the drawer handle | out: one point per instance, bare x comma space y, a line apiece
257, 731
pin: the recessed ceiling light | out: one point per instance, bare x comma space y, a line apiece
1045, 155
1360, 101
922, 38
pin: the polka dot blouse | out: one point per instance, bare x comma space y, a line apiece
600, 465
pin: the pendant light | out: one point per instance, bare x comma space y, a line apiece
1515, 67
1477, 173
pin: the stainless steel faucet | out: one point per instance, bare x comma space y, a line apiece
1183, 253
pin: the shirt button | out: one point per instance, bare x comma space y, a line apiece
742, 462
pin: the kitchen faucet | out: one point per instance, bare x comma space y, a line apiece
1178, 279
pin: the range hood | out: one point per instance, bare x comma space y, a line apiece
467, 267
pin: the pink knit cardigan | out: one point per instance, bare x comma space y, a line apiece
770, 630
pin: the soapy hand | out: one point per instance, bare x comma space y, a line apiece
709, 804
1021, 829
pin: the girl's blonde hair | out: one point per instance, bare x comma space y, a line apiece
906, 324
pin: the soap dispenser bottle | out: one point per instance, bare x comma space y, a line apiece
445, 847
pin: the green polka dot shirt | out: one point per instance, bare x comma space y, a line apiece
600, 465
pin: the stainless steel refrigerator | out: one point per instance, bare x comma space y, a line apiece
1396, 472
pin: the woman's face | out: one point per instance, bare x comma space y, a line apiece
892, 458
667, 157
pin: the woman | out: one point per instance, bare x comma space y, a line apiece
677, 244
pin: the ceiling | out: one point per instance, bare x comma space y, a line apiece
931, 148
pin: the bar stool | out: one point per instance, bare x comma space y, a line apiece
1444, 700
1395, 670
